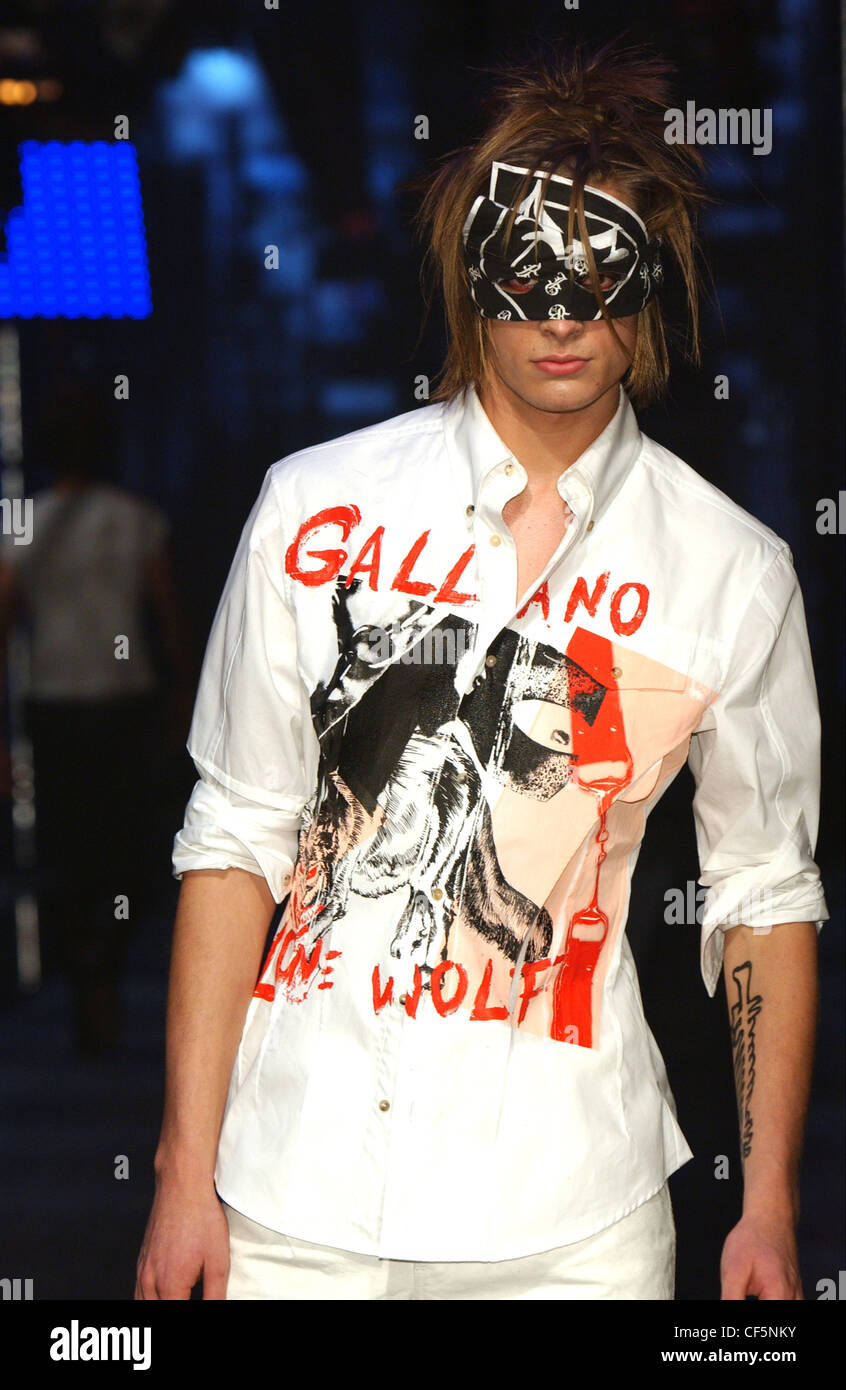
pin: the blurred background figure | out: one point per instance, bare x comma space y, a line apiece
87, 586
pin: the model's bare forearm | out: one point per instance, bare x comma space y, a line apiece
221, 925
771, 987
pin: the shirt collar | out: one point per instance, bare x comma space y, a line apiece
588, 485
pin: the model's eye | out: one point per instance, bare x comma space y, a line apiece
606, 282
517, 286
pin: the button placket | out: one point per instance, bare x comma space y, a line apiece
495, 548
377, 1142
397, 1120
497, 581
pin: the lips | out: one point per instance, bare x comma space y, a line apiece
561, 366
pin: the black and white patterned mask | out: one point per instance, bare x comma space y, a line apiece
533, 273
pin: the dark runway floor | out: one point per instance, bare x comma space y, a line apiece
67, 1221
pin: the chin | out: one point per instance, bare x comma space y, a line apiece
562, 395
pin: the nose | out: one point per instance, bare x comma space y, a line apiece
561, 329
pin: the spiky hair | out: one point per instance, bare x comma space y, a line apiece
595, 116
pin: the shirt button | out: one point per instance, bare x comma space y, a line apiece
384, 1105
468, 511
509, 469
496, 540
616, 671
490, 659
402, 998
437, 894
589, 526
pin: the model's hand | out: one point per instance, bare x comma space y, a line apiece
187, 1238
759, 1257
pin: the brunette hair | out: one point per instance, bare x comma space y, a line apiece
596, 117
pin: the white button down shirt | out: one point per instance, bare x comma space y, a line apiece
445, 1057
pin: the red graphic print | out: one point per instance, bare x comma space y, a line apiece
604, 768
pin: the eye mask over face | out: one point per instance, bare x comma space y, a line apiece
534, 273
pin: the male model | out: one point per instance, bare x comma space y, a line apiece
459, 657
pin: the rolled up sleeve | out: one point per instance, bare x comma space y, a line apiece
756, 764
251, 738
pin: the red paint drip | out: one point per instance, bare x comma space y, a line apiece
573, 986
603, 741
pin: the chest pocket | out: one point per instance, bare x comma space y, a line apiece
658, 724
645, 712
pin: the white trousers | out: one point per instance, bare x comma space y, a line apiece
632, 1259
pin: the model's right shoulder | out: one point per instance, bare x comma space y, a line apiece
366, 457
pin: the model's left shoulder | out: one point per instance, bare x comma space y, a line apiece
705, 517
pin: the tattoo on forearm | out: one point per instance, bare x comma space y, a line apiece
743, 1017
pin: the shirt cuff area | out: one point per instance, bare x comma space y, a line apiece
712, 940
222, 830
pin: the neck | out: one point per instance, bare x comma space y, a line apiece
545, 442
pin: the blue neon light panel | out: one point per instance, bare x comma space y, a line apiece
76, 249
